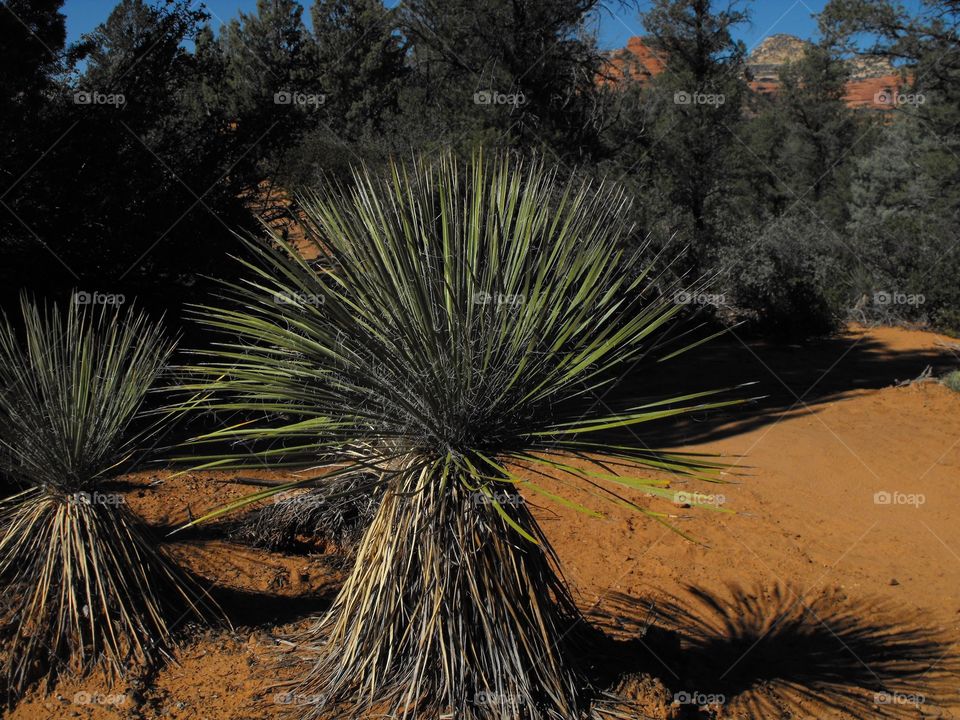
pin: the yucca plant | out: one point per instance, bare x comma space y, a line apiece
451, 347
83, 580
337, 513
952, 380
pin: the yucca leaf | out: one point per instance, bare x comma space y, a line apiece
84, 580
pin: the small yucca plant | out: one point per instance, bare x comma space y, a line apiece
336, 513
82, 579
451, 345
952, 380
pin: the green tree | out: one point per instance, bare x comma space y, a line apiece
32, 37
906, 194
361, 63
781, 266
926, 44
521, 74
682, 136
168, 153
271, 90
904, 227
136, 195
804, 138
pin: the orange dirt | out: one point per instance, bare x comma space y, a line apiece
816, 599
276, 208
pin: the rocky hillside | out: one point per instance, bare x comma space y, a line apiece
871, 78
637, 62
865, 67
778, 50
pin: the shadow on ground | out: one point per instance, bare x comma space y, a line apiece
246, 608
788, 379
768, 654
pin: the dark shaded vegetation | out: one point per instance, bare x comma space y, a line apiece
332, 516
127, 159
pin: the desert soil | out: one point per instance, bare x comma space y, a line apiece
831, 591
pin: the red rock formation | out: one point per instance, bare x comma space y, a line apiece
880, 93
873, 85
636, 62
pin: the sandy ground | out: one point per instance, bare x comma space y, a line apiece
831, 592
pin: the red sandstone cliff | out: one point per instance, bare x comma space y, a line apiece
873, 84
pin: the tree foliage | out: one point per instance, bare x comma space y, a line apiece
218, 123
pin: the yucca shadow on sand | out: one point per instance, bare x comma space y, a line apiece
774, 656
790, 380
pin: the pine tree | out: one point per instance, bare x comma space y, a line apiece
521, 74
271, 92
32, 37
903, 226
137, 191
361, 63
806, 136
683, 134
905, 198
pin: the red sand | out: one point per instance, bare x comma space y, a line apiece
812, 598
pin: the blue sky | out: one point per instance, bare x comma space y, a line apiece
768, 17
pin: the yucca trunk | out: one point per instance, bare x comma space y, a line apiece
448, 610
87, 584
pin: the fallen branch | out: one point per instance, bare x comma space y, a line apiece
925, 376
